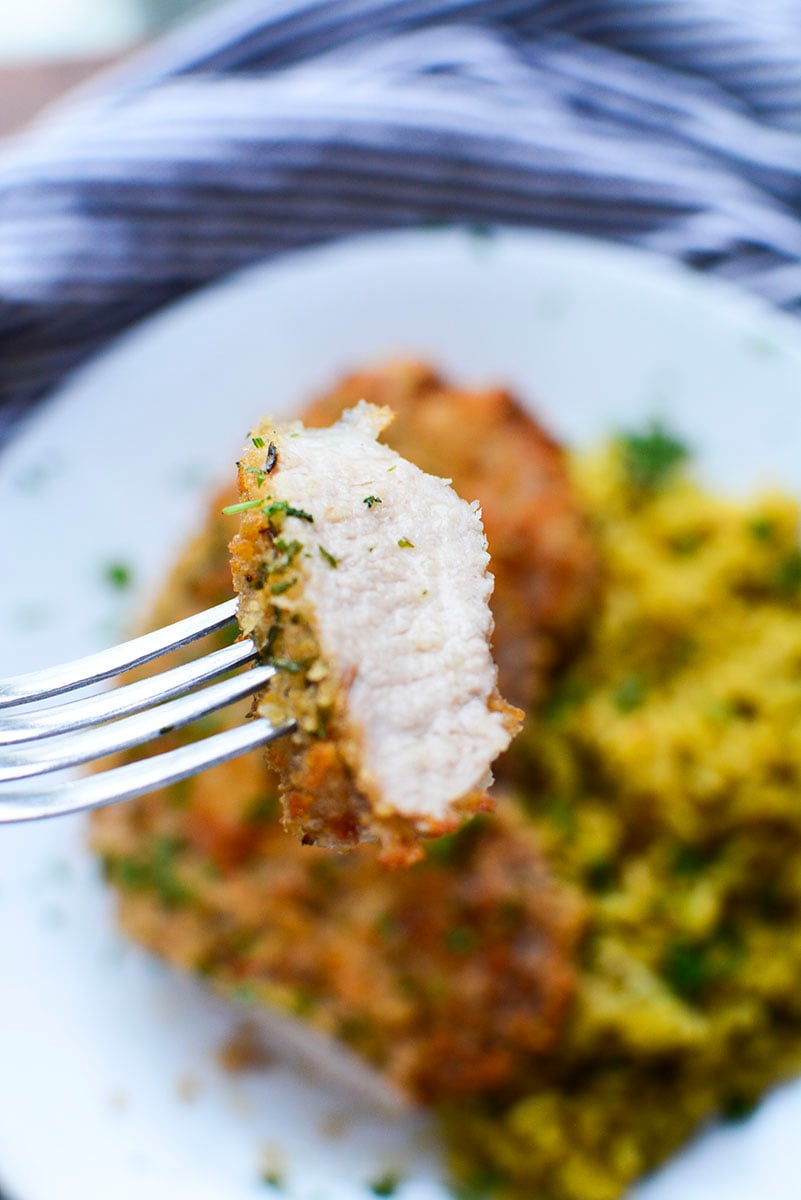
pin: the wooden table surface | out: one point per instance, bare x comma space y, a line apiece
26, 89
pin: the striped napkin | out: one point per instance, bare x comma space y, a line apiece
274, 124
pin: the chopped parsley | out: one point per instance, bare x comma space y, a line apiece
371, 501
690, 968
156, 872
457, 848
269, 507
272, 635
275, 507
290, 549
288, 553
650, 458
282, 586
388, 926
566, 695
258, 442
462, 940
686, 543
328, 556
231, 509
630, 694
480, 1187
118, 575
686, 969
738, 1106
405, 544
385, 1184
245, 992
599, 875
293, 666
787, 577
263, 808
562, 814
273, 1179
689, 861
762, 529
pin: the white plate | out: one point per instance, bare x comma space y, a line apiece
95, 1038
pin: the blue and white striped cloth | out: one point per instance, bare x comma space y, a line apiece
273, 124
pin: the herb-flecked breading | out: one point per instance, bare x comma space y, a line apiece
381, 640
451, 978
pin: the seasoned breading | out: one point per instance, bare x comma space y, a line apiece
364, 580
544, 559
453, 978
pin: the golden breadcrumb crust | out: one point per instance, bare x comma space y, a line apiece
452, 978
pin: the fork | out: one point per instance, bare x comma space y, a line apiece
35, 741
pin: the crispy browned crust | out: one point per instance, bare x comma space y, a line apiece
543, 557
452, 978
324, 807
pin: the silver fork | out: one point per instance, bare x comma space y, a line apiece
35, 741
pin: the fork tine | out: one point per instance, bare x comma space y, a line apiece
38, 758
135, 779
38, 685
93, 710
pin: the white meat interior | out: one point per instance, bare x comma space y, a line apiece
404, 613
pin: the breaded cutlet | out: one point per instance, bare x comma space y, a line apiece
365, 582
